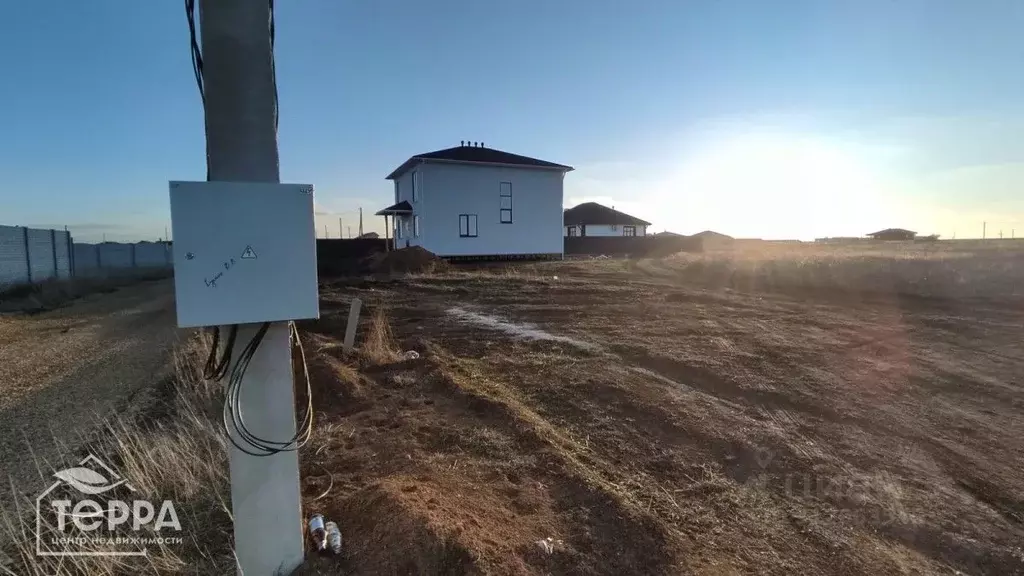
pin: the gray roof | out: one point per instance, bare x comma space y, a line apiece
476, 155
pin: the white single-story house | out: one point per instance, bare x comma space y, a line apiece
593, 219
471, 200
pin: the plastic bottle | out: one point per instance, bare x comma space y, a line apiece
333, 537
317, 533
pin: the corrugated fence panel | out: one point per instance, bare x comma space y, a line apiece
152, 254
112, 257
115, 255
86, 263
63, 254
52, 254
13, 269
40, 254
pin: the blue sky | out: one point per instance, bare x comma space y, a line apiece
787, 119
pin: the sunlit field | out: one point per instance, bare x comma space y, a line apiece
948, 269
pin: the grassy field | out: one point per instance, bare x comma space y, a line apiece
784, 409
953, 269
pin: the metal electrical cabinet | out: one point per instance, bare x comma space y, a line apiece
244, 252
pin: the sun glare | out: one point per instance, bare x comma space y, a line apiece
780, 187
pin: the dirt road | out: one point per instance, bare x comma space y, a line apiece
63, 371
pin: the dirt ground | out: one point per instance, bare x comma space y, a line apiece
63, 371
648, 426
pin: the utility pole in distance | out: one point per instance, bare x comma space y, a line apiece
241, 137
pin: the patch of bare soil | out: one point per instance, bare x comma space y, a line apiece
64, 370
700, 432
405, 260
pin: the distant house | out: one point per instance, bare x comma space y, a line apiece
893, 234
665, 233
712, 239
593, 219
369, 235
471, 200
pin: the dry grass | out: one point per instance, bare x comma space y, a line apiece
55, 293
951, 269
178, 455
379, 346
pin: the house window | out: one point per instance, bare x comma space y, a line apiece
467, 226
416, 226
506, 202
415, 188
629, 230
573, 231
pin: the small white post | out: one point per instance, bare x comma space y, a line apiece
353, 322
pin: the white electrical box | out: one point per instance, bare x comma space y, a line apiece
244, 252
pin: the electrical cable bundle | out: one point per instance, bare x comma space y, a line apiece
217, 369
234, 418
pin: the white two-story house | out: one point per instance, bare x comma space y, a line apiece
476, 201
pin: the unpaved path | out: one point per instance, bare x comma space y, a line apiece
64, 370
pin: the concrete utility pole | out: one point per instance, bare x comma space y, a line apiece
984, 226
360, 221
241, 137
340, 227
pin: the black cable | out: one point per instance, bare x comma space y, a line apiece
216, 369
234, 418
197, 65
305, 428
197, 55
230, 396
273, 65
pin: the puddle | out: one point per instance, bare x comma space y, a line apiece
518, 330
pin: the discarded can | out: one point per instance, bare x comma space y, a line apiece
317, 533
333, 537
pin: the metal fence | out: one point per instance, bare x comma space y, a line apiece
113, 257
30, 255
